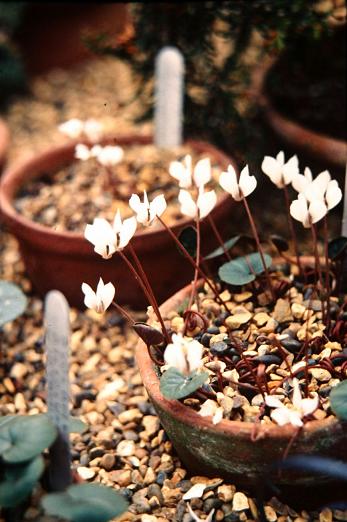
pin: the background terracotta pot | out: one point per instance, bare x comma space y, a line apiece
51, 34
331, 151
227, 450
63, 260
4, 142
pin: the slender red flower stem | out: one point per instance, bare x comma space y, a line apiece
196, 275
123, 312
218, 236
260, 250
192, 262
316, 255
145, 291
150, 291
292, 230
327, 275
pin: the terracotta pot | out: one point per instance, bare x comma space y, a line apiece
227, 449
318, 146
63, 260
4, 142
51, 34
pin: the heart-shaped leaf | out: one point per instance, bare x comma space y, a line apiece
12, 302
188, 238
25, 436
18, 481
175, 385
243, 270
220, 250
81, 502
150, 336
338, 400
337, 247
280, 243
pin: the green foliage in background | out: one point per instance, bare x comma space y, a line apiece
210, 86
12, 73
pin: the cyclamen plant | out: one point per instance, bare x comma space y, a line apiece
186, 364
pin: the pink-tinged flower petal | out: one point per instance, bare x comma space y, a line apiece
317, 210
127, 231
202, 172
290, 169
228, 182
273, 169
333, 194
188, 206
135, 203
299, 210
300, 183
308, 406
280, 416
102, 236
296, 397
158, 206
273, 402
280, 157
247, 183
108, 293
182, 171
206, 202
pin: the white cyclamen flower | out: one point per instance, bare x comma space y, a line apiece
185, 354
106, 238
109, 155
301, 407
145, 211
307, 213
101, 299
237, 189
279, 172
82, 152
93, 130
333, 194
72, 128
204, 204
311, 188
182, 171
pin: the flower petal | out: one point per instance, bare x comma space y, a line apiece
290, 169
157, 206
308, 406
247, 183
89, 296
194, 355
333, 194
218, 416
108, 293
296, 397
317, 210
206, 202
181, 173
273, 401
228, 182
72, 128
202, 172
82, 152
188, 206
299, 210
273, 168
280, 416
127, 231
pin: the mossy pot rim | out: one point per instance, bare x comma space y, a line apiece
188, 415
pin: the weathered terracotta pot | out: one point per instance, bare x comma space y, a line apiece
4, 142
227, 449
63, 260
321, 147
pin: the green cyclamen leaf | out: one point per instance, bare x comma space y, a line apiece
220, 250
25, 436
242, 270
19, 480
12, 302
92, 502
175, 385
188, 238
338, 400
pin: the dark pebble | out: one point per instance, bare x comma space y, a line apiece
85, 459
214, 330
161, 477
180, 511
75, 455
146, 408
235, 359
324, 391
268, 359
38, 345
184, 485
292, 345
196, 503
116, 408
288, 331
131, 435
301, 374
155, 491
84, 395
338, 359
96, 452
221, 318
116, 320
126, 493
343, 316
205, 340
212, 503
308, 294
19, 357
233, 517
220, 348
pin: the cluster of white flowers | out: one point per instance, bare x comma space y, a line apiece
90, 129
108, 156
315, 196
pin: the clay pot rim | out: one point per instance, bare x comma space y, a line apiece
13, 180
189, 416
327, 148
4, 140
